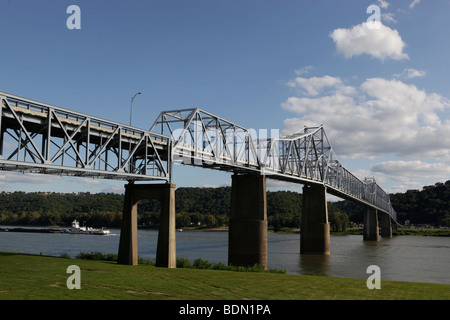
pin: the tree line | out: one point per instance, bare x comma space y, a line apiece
431, 205
204, 207
209, 207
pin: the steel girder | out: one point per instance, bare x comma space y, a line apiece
203, 139
41, 138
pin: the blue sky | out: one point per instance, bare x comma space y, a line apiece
381, 94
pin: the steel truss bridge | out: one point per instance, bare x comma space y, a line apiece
37, 137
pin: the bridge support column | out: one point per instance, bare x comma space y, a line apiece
386, 225
247, 242
370, 231
128, 247
315, 229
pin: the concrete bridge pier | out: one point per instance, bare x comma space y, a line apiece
315, 229
166, 249
247, 238
370, 230
386, 225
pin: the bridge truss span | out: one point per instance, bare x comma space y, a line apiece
40, 138
308, 156
203, 139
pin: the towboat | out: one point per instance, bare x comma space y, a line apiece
76, 229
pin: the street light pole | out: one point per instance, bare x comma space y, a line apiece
131, 111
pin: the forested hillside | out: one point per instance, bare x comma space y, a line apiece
431, 205
209, 207
428, 206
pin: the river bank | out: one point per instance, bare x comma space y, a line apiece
349, 231
39, 277
350, 255
34, 230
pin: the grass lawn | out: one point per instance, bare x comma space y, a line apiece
31, 277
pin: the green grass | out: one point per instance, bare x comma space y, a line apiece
32, 277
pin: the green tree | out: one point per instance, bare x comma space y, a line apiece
183, 220
210, 221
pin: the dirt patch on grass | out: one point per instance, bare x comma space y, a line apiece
96, 270
147, 292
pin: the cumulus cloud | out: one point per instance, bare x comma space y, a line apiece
314, 85
378, 117
380, 43
398, 170
412, 174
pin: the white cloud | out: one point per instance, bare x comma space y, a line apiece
379, 43
412, 170
276, 185
314, 85
114, 189
383, 3
304, 70
8, 178
91, 182
361, 174
378, 117
389, 17
410, 73
414, 3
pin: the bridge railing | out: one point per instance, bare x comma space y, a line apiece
41, 138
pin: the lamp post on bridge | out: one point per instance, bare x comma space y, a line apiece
131, 111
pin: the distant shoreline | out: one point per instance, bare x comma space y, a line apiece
349, 231
32, 229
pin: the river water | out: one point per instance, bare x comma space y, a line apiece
402, 258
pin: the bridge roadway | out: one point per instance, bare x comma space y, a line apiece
37, 137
